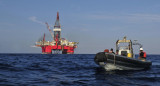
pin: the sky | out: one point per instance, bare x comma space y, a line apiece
95, 24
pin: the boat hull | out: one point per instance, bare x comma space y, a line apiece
116, 62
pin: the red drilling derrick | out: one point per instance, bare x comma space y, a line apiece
57, 44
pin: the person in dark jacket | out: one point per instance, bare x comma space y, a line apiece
142, 55
111, 51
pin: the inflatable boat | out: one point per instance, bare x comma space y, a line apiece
117, 62
123, 59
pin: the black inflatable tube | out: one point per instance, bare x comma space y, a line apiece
121, 60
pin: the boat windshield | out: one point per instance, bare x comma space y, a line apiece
123, 47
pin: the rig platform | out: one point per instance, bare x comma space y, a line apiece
58, 44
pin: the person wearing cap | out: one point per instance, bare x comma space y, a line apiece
142, 55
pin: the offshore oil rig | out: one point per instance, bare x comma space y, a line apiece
58, 45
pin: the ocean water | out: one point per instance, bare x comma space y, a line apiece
70, 70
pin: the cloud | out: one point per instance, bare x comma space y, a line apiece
148, 17
34, 19
129, 17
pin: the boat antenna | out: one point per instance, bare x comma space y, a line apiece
136, 43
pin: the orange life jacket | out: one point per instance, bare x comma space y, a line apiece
144, 55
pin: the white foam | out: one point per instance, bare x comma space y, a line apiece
109, 67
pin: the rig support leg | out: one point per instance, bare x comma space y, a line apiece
46, 50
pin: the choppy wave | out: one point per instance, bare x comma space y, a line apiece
77, 69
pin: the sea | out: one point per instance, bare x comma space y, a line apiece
70, 70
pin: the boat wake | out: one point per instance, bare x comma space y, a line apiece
109, 67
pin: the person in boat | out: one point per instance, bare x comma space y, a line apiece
106, 50
117, 52
142, 55
111, 51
